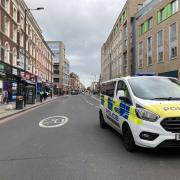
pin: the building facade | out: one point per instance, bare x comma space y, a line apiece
157, 38
61, 67
116, 52
66, 78
74, 82
13, 66
143, 39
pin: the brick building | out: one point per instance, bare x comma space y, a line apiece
116, 52
157, 35
12, 35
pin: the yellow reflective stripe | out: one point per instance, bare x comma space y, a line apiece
106, 101
116, 105
132, 117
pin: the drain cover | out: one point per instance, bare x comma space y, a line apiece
54, 121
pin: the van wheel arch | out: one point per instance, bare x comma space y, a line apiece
102, 122
128, 139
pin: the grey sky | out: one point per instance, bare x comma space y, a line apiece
83, 25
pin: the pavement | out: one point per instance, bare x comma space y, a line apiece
77, 150
8, 110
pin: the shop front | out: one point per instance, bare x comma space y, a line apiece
9, 81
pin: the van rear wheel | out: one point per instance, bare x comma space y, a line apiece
103, 124
128, 139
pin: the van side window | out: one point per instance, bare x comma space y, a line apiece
123, 87
108, 89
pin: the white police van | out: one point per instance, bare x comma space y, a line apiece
145, 110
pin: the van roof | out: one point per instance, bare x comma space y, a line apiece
135, 77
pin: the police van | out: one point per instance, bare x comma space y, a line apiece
144, 109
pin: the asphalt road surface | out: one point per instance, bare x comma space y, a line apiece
78, 150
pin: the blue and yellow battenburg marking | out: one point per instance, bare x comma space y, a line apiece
120, 108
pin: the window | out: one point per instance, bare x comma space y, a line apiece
14, 14
149, 21
154, 88
7, 5
149, 51
173, 40
7, 26
108, 89
123, 87
140, 62
7, 53
141, 29
175, 6
160, 45
14, 57
162, 14
14, 33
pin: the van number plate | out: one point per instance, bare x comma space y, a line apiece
177, 136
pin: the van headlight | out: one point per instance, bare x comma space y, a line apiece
146, 115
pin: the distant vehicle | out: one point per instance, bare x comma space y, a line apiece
74, 92
144, 109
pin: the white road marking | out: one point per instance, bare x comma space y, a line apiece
87, 101
53, 122
95, 98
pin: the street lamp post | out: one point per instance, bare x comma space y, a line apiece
25, 32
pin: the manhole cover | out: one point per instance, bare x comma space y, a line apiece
52, 122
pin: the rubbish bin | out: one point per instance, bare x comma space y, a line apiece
19, 102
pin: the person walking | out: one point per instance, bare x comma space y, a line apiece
45, 95
5, 97
41, 96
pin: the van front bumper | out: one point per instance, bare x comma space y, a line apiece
160, 137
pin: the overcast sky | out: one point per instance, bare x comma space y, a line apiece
83, 26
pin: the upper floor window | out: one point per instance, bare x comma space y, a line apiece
14, 14
149, 51
149, 21
160, 44
175, 6
140, 59
173, 40
7, 5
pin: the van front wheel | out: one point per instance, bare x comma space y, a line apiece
103, 124
128, 139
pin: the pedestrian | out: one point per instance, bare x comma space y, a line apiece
41, 96
45, 95
5, 97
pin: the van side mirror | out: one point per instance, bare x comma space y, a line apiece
120, 94
122, 97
